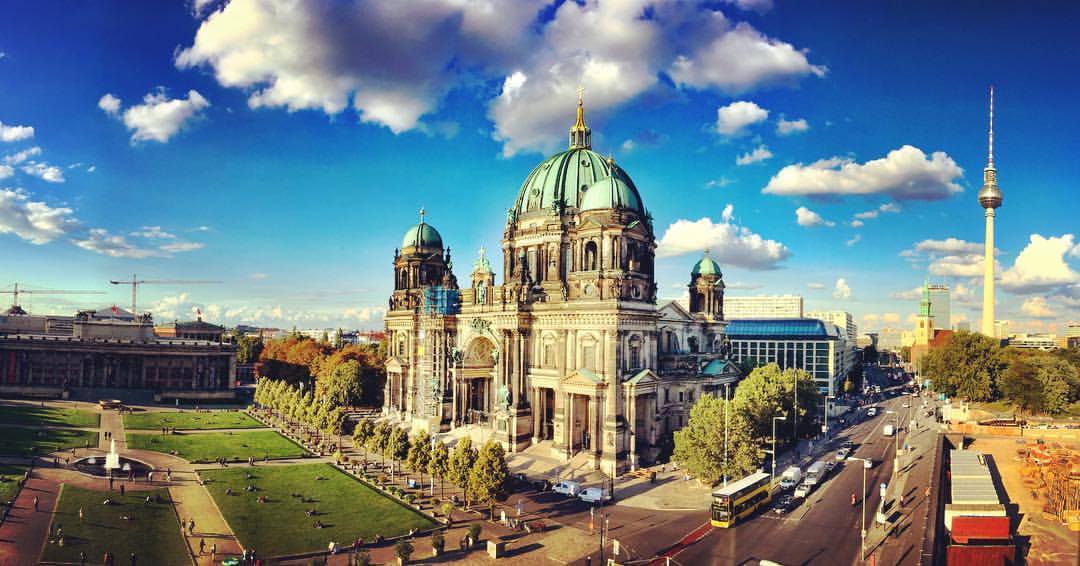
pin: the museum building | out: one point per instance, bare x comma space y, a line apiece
570, 352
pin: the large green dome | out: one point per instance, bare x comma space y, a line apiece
568, 176
423, 235
706, 266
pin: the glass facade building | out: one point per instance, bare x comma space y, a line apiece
812, 345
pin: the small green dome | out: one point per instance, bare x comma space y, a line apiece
566, 177
423, 235
706, 266
616, 191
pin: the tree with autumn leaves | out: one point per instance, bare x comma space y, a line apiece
346, 376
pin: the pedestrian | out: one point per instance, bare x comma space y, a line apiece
121, 490
213, 552
901, 499
202, 546
35, 503
191, 526
82, 558
927, 493
80, 514
132, 559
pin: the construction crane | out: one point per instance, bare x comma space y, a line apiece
16, 291
135, 282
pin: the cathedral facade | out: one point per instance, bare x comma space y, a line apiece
570, 353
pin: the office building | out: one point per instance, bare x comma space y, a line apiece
804, 343
940, 307
842, 319
1035, 341
763, 306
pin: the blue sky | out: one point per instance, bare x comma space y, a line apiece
284, 151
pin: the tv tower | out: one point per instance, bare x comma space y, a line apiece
989, 199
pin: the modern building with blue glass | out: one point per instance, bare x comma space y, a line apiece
813, 345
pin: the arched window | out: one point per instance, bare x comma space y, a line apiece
588, 353
634, 352
692, 342
590, 256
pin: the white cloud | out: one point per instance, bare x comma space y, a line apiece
732, 119
1041, 266
841, 290
21, 156
728, 214
718, 183
6, 171
815, 285
393, 62
752, 5
91, 169
728, 243
951, 257
889, 207
153, 232
786, 127
967, 265
853, 240
949, 246
808, 218
33, 221
109, 103
760, 153
258, 276
857, 223
890, 318
1036, 307
99, 240
909, 295
159, 117
15, 133
904, 174
46, 172
739, 58
179, 247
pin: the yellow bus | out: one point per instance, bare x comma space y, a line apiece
738, 500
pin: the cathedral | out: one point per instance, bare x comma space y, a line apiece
570, 353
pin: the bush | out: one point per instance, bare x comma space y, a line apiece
403, 549
474, 532
438, 542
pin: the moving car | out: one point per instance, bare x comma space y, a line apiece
841, 454
567, 487
783, 504
594, 495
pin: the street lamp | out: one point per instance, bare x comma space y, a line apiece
727, 401
826, 431
867, 463
773, 470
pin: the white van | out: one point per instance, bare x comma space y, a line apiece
790, 478
567, 487
594, 495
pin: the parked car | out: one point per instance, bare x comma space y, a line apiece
783, 504
829, 467
541, 485
803, 490
567, 487
594, 495
841, 454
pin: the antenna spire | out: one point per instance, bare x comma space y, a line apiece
422, 213
990, 156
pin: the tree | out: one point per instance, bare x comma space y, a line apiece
342, 384
770, 392
380, 434
1060, 381
699, 446
439, 465
461, 463
967, 365
419, 454
487, 480
905, 353
398, 445
1020, 384
361, 433
248, 348
403, 549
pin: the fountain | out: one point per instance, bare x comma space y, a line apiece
112, 459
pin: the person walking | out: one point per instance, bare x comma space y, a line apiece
80, 514
82, 558
202, 546
35, 502
213, 552
133, 559
121, 490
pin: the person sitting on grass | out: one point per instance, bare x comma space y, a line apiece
312, 512
228, 491
318, 524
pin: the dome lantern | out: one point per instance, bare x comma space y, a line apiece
580, 134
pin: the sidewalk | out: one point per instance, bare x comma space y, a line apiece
25, 531
193, 501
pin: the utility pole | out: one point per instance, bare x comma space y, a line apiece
773, 470
727, 401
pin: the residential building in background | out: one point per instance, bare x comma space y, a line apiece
805, 343
940, 307
763, 306
1070, 337
1036, 341
843, 319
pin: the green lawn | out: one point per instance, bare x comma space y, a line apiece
28, 415
190, 420
346, 507
152, 532
9, 481
18, 440
208, 447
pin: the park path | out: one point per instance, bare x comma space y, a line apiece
24, 532
111, 422
193, 500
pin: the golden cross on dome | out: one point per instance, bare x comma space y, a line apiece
580, 94
422, 215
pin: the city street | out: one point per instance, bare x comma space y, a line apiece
824, 529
